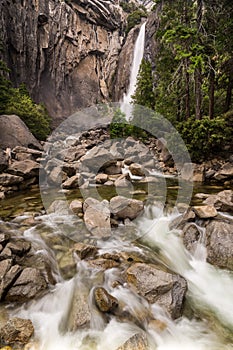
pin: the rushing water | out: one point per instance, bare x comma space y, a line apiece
207, 323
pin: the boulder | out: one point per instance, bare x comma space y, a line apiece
27, 286
219, 236
7, 280
97, 158
57, 176
193, 172
104, 301
205, 211
97, 217
79, 315
155, 285
122, 207
225, 172
73, 182
137, 169
59, 206
136, 342
17, 330
222, 201
76, 206
85, 251
3, 161
122, 181
191, 236
27, 168
14, 133
10, 180
101, 178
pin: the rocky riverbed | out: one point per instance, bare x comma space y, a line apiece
107, 241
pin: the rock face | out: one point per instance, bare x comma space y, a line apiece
62, 45
166, 289
15, 133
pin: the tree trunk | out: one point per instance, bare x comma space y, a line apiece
211, 91
229, 94
187, 91
198, 72
198, 93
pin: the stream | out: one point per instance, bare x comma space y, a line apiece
207, 322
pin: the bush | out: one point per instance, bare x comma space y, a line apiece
134, 18
34, 115
119, 127
205, 137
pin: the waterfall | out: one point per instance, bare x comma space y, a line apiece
137, 58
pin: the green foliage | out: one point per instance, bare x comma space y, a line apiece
34, 115
144, 94
134, 18
204, 137
17, 101
128, 6
119, 127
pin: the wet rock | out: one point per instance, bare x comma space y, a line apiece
103, 264
76, 206
28, 285
166, 289
85, 251
5, 266
17, 330
113, 169
219, 235
137, 169
97, 217
57, 176
58, 207
67, 265
10, 180
157, 325
205, 211
73, 182
19, 247
79, 315
222, 201
101, 178
191, 236
122, 207
123, 181
27, 168
104, 301
137, 341
4, 238
8, 278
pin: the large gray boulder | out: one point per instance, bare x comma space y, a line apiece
14, 133
158, 286
219, 237
97, 217
123, 207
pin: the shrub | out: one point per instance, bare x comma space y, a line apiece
204, 137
